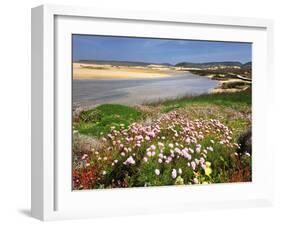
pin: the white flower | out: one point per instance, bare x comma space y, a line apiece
171, 145
147, 137
103, 172
180, 171
160, 160
177, 150
144, 159
195, 181
157, 172
161, 145
174, 173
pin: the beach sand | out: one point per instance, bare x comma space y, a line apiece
221, 88
95, 71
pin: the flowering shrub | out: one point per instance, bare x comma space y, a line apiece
171, 149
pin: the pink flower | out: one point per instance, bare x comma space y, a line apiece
130, 161
193, 165
140, 137
152, 134
84, 156
187, 140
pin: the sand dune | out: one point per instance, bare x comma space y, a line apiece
95, 71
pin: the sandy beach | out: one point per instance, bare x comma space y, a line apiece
96, 71
231, 86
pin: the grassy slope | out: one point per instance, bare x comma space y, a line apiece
99, 120
233, 109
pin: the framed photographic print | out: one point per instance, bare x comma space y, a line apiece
136, 112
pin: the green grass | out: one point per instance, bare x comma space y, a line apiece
99, 120
234, 100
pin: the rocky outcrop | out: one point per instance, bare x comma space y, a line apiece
245, 141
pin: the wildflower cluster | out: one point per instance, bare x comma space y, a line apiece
170, 150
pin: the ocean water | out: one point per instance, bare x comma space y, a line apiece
88, 93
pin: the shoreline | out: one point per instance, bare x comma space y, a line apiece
231, 86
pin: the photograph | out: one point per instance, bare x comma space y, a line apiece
152, 111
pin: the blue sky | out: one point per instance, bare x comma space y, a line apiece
91, 47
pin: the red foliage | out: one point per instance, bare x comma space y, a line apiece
84, 178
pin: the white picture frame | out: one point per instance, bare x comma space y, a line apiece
52, 197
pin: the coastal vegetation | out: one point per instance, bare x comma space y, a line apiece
186, 140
